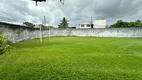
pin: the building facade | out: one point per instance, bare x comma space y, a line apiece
94, 24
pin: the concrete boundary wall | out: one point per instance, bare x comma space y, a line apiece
109, 32
16, 35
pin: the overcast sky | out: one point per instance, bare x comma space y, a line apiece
75, 11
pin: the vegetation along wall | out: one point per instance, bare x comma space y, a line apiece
16, 33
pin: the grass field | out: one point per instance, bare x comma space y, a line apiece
74, 58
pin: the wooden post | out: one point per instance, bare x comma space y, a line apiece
40, 35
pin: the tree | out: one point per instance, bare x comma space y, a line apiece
3, 44
122, 24
49, 26
139, 21
64, 23
28, 24
44, 27
119, 24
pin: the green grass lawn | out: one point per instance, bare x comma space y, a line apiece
74, 58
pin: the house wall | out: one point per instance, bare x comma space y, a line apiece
85, 26
99, 23
96, 24
16, 35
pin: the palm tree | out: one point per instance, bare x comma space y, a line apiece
64, 23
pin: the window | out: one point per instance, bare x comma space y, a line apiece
82, 25
88, 25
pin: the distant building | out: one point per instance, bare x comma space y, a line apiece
47, 25
85, 25
72, 27
94, 24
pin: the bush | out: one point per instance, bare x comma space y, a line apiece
28, 24
3, 44
123, 24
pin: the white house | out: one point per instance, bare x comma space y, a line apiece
95, 24
85, 25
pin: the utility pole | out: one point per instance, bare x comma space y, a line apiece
91, 23
140, 19
44, 22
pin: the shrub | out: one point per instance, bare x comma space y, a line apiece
3, 44
123, 24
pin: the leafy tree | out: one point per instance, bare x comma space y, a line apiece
43, 26
64, 23
139, 21
122, 24
3, 44
49, 26
28, 24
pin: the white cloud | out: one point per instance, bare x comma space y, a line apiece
75, 10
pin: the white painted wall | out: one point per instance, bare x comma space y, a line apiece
96, 24
15, 35
85, 25
99, 24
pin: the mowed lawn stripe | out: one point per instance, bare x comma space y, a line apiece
74, 58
